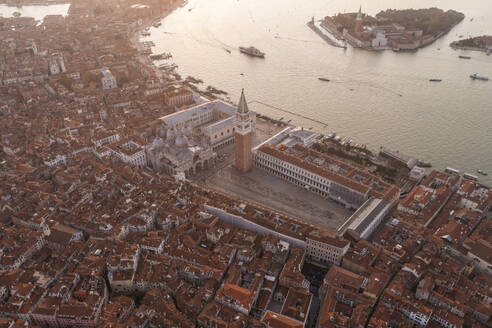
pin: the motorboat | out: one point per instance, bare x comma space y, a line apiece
252, 51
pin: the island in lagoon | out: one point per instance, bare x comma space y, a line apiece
407, 29
479, 43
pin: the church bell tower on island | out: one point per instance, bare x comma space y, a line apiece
243, 144
358, 21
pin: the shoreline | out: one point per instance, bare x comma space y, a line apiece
313, 27
35, 3
330, 29
146, 60
148, 23
135, 41
456, 47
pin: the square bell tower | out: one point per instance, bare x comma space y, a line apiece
243, 142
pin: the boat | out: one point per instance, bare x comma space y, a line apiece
464, 57
157, 24
323, 79
469, 176
252, 51
160, 56
482, 172
168, 67
227, 50
478, 77
424, 164
435, 80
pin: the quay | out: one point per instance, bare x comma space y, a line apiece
326, 35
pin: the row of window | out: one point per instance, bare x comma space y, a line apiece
327, 186
222, 133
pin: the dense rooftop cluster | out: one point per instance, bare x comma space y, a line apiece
91, 236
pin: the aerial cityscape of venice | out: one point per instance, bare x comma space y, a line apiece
245, 163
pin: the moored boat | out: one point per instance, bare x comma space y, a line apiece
424, 164
464, 57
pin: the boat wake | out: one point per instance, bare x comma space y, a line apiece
297, 40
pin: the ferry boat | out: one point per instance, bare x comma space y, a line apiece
464, 57
478, 77
323, 79
482, 172
252, 51
435, 80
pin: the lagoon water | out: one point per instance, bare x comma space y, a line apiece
38, 12
447, 123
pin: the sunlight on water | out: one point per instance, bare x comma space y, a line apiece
377, 98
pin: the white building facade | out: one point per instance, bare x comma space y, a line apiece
108, 80
311, 181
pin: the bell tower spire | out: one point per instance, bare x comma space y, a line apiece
243, 160
358, 21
